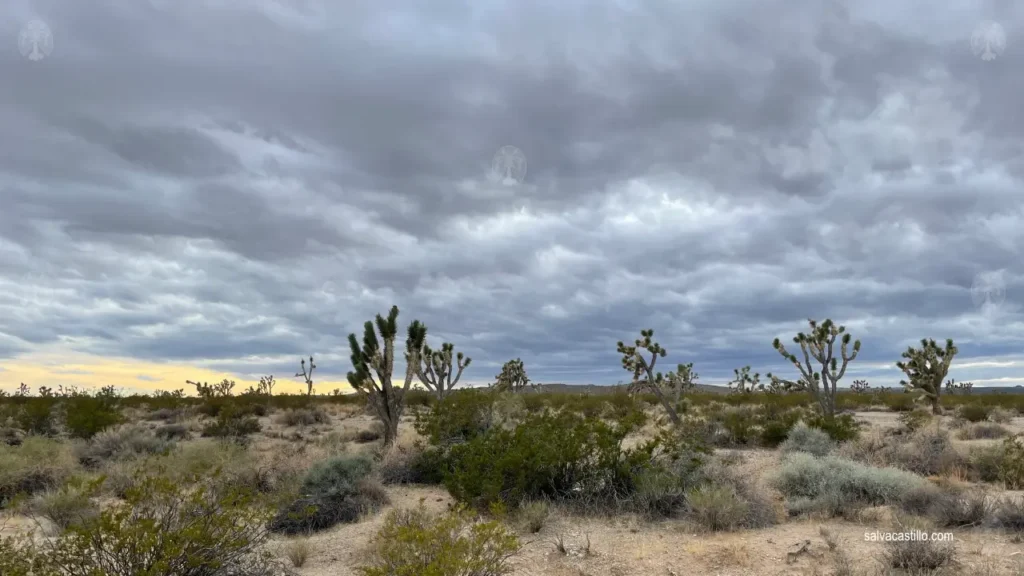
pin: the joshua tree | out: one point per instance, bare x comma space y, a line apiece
387, 400
436, 366
513, 377
645, 379
860, 386
926, 368
952, 386
221, 389
307, 376
743, 383
819, 344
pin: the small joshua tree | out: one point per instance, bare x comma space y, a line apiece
860, 387
819, 345
667, 388
387, 400
513, 377
436, 367
266, 385
926, 368
307, 376
743, 383
952, 387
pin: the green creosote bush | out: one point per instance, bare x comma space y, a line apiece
557, 456
332, 492
85, 416
841, 428
415, 543
915, 420
35, 415
162, 528
836, 486
974, 412
806, 439
1011, 466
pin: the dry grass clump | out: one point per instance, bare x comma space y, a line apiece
36, 465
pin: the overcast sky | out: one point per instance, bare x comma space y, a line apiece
208, 188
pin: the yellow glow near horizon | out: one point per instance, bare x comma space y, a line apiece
128, 375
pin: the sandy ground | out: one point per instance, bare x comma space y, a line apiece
627, 546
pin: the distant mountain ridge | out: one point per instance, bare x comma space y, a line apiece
610, 388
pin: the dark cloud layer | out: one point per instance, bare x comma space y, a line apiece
235, 184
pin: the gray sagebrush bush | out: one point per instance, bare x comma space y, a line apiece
803, 438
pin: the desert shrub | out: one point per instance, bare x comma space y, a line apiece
806, 439
415, 465
38, 464
1008, 513
119, 444
172, 432
918, 556
740, 424
232, 423
414, 543
915, 420
836, 486
1011, 466
85, 416
920, 500
1000, 415
164, 414
35, 416
368, 435
841, 428
974, 412
929, 451
460, 417
11, 436
65, 506
760, 506
958, 510
899, 402
162, 528
533, 515
555, 456
985, 462
332, 492
983, 431
716, 508
298, 551
304, 417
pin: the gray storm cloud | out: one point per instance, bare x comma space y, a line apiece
216, 181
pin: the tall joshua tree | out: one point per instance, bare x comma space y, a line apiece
668, 388
436, 367
926, 368
371, 359
513, 377
818, 345
307, 376
743, 382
